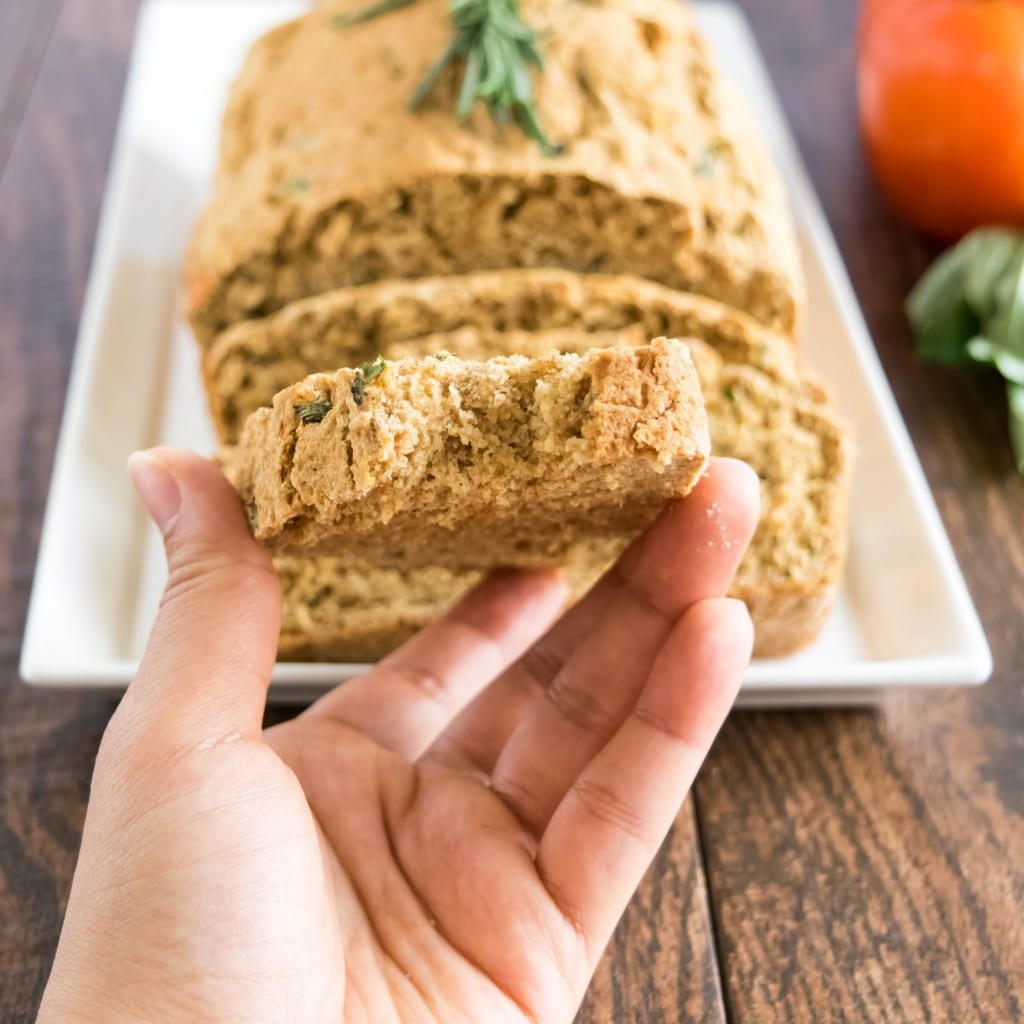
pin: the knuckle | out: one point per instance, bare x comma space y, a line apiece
663, 724
197, 568
425, 682
581, 706
477, 635
522, 802
641, 596
542, 664
605, 805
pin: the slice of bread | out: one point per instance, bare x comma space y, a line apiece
249, 363
469, 465
332, 612
327, 179
791, 573
789, 578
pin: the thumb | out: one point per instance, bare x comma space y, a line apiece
209, 657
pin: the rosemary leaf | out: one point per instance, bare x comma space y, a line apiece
313, 412
350, 18
470, 85
490, 47
521, 87
528, 121
531, 54
428, 83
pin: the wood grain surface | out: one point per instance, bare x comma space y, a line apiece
25, 27
870, 866
835, 866
49, 200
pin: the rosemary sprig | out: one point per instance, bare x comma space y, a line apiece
497, 49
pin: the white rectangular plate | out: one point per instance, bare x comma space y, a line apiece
904, 617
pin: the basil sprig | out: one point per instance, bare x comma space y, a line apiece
969, 307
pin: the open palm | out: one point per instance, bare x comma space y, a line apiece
450, 838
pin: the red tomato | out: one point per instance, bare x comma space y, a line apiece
941, 94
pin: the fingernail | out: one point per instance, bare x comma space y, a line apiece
155, 485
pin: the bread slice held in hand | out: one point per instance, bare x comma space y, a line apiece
469, 465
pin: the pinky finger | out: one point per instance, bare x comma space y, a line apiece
611, 822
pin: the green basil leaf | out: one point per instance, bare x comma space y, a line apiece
945, 341
1005, 325
942, 320
1008, 363
941, 290
991, 255
970, 307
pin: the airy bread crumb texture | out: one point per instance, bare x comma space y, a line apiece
470, 465
332, 612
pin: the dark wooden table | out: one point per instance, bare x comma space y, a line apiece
832, 866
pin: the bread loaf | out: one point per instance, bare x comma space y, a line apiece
327, 179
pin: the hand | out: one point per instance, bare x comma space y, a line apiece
450, 838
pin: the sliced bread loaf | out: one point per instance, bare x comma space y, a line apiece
467, 465
327, 179
250, 362
789, 578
